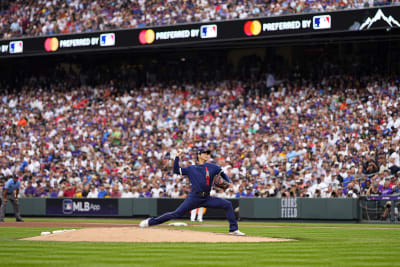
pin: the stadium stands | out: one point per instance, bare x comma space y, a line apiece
334, 137
44, 17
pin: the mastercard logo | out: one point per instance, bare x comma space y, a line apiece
51, 44
146, 36
252, 28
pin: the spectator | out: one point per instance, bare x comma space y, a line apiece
42, 192
241, 192
127, 193
93, 192
69, 191
386, 189
248, 192
30, 191
328, 192
115, 192
176, 193
156, 190
317, 193
108, 191
78, 193
53, 193
374, 191
86, 190
102, 192
387, 211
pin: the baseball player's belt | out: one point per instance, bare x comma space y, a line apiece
202, 194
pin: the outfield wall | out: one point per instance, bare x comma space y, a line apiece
249, 208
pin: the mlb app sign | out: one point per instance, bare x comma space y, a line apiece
16, 47
82, 207
67, 206
321, 22
70, 206
107, 39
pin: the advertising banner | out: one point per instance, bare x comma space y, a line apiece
81, 207
356, 22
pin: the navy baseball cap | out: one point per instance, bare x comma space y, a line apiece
203, 150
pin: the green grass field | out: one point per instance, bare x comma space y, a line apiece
317, 245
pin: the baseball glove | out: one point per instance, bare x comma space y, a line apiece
220, 182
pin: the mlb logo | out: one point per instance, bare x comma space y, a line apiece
321, 22
107, 39
67, 206
208, 31
16, 47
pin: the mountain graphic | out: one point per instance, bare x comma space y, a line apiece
378, 16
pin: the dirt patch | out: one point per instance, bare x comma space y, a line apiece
64, 224
135, 234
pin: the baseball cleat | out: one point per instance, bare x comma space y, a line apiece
237, 232
144, 223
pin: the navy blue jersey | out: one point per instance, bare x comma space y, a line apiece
201, 177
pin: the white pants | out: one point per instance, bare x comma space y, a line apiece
199, 212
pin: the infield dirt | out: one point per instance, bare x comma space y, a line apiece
135, 234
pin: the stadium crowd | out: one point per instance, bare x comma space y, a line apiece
335, 138
47, 17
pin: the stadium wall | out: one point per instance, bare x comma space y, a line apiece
249, 208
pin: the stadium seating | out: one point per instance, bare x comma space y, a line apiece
56, 17
337, 137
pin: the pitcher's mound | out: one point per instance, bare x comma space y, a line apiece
134, 234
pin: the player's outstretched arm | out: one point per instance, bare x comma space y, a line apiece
177, 169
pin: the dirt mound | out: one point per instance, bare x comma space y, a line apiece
135, 234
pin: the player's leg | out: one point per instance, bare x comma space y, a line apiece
219, 203
16, 208
193, 215
2, 210
189, 204
200, 214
